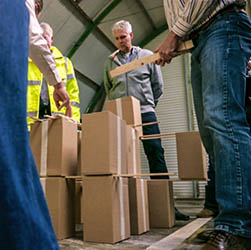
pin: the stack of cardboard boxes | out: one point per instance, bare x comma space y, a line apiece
54, 146
110, 149
104, 155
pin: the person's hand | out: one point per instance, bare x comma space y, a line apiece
249, 65
60, 95
167, 49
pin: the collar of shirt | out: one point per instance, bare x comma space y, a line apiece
124, 58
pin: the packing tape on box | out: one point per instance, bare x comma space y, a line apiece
122, 209
143, 203
43, 184
119, 144
44, 147
134, 153
119, 108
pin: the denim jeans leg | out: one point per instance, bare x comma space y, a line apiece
24, 217
153, 148
218, 79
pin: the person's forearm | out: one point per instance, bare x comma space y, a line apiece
39, 51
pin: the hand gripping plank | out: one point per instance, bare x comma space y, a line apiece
145, 60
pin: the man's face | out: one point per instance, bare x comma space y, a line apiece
48, 38
123, 40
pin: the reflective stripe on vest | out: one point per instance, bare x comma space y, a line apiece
75, 104
32, 113
34, 83
70, 76
56, 113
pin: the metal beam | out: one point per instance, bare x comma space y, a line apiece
74, 4
97, 97
77, 1
149, 18
86, 80
92, 26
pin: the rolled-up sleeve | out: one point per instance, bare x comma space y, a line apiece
187, 14
39, 51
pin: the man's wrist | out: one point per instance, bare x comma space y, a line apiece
58, 85
175, 36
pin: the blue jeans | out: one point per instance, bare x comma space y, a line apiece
218, 66
24, 218
210, 199
153, 148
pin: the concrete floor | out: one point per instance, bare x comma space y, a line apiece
144, 241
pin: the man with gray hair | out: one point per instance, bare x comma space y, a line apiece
145, 84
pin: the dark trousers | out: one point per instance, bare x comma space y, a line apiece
153, 148
210, 196
44, 109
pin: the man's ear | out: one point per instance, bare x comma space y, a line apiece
131, 35
36, 9
52, 39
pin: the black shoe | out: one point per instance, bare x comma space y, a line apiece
204, 235
206, 213
180, 216
223, 240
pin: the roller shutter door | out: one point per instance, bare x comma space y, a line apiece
172, 112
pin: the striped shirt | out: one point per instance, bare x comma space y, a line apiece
185, 16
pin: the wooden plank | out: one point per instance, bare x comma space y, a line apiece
175, 239
179, 180
148, 174
74, 177
134, 64
35, 119
156, 136
145, 60
146, 124
126, 175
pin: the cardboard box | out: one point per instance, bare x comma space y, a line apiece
161, 203
128, 109
106, 209
39, 144
59, 193
191, 156
78, 202
133, 151
54, 146
138, 200
103, 144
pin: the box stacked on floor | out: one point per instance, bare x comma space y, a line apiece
54, 146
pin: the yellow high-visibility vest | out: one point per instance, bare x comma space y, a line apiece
35, 78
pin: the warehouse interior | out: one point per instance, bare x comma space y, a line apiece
82, 32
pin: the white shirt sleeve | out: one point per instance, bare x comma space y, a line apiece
39, 51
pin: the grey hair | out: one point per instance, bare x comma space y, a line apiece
47, 29
122, 25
